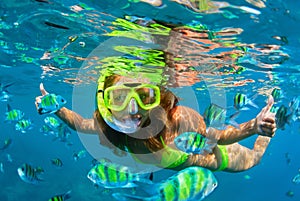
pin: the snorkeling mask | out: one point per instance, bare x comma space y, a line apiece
118, 97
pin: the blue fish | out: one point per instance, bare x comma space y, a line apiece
12, 115
4, 94
277, 94
192, 183
28, 174
241, 101
61, 197
215, 116
23, 125
194, 143
52, 122
50, 103
6, 144
110, 175
294, 108
282, 117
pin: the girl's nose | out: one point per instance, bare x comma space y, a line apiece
133, 106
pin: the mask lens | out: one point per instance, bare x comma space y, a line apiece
117, 97
147, 95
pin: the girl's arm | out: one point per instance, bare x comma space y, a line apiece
71, 118
76, 122
264, 124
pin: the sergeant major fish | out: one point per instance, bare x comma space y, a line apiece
241, 100
61, 197
23, 125
194, 143
52, 122
282, 118
192, 183
277, 94
111, 175
28, 174
215, 116
50, 103
12, 115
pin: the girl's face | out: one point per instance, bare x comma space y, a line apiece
133, 116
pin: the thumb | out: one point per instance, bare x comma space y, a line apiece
42, 89
270, 103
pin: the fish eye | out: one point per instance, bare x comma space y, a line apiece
23, 169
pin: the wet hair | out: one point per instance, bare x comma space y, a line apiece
150, 137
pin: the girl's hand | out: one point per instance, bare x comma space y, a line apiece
48, 103
265, 123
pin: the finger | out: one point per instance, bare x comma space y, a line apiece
269, 120
42, 89
270, 103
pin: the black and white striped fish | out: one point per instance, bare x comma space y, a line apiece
28, 174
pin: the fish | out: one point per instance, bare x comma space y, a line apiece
1, 167
241, 100
50, 103
63, 133
294, 108
79, 155
192, 183
282, 117
52, 122
296, 179
46, 130
51, 24
57, 162
28, 174
194, 143
13, 115
215, 116
23, 125
277, 94
110, 175
4, 94
6, 144
61, 197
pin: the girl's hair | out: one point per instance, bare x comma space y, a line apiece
151, 137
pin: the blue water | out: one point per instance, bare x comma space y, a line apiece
24, 38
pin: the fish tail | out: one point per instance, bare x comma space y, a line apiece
210, 144
128, 197
251, 100
67, 195
231, 120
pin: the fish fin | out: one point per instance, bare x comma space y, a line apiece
128, 197
251, 100
8, 108
252, 104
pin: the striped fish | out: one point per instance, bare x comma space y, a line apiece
111, 175
241, 100
52, 122
23, 125
28, 174
13, 114
50, 103
192, 183
194, 143
61, 197
57, 162
277, 94
215, 116
282, 117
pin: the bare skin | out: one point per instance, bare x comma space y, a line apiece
240, 158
